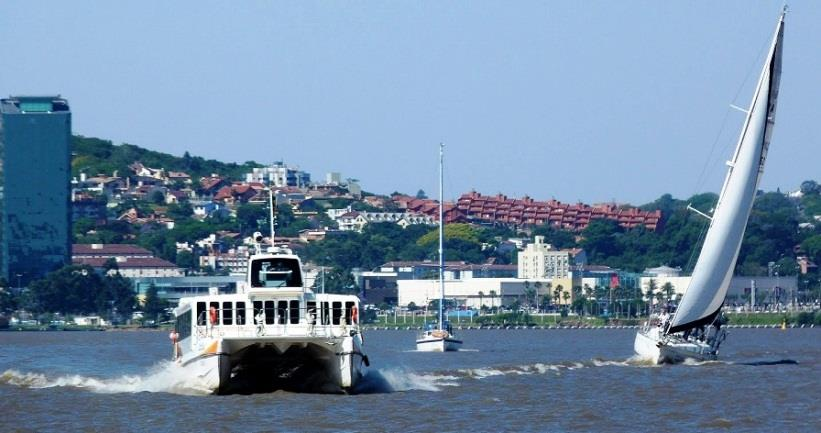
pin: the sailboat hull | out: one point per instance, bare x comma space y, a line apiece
651, 345
430, 343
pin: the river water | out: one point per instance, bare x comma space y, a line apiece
503, 380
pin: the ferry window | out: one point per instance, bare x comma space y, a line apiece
215, 306
202, 315
257, 311
337, 312
240, 313
269, 312
227, 313
294, 312
311, 313
183, 326
282, 311
348, 313
326, 318
276, 272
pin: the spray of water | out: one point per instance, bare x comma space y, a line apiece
163, 377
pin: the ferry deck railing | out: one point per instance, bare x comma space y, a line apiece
309, 324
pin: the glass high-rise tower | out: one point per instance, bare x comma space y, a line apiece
35, 196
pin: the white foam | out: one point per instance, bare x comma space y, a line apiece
403, 380
163, 377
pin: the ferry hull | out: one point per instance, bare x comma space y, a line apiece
268, 364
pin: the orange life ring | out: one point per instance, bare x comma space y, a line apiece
212, 314
354, 315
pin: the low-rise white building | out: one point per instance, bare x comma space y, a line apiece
471, 293
768, 290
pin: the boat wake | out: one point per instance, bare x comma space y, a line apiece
163, 377
400, 380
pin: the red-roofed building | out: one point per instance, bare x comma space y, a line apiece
134, 267
475, 207
132, 261
108, 250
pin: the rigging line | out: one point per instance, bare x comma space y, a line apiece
710, 163
688, 268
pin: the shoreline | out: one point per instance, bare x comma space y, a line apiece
566, 327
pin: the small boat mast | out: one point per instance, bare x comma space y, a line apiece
441, 236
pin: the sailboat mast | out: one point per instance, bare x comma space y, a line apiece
441, 234
271, 210
704, 296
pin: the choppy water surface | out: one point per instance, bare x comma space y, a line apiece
513, 380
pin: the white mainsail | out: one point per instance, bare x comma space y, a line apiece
711, 276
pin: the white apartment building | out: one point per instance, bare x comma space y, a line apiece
541, 261
279, 175
235, 260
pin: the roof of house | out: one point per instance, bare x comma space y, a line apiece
108, 250
127, 263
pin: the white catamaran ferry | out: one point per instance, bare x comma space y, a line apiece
274, 333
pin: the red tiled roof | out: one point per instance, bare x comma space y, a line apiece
128, 263
108, 250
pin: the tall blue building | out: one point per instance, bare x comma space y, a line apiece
35, 196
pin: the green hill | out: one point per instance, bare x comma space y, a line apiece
94, 156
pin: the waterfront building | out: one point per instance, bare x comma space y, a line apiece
382, 285
540, 260
174, 288
132, 261
743, 290
35, 189
469, 293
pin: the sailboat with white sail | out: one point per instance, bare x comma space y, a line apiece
439, 337
694, 329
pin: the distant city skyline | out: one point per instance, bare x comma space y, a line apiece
593, 102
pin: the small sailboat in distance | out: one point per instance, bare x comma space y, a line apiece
684, 335
439, 337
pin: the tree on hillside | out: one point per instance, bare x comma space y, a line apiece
557, 237
809, 187
154, 306
252, 218
601, 240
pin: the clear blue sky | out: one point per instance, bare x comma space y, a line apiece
592, 101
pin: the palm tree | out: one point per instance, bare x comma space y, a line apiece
557, 294
588, 297
529, 293
651, 293
492, 297
538, 286
668, 290
481, 300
